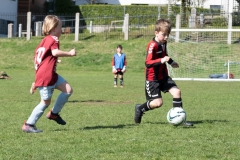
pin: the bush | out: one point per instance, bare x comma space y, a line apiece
65, 6
219, 21
236, 20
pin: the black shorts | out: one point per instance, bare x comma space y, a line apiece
153, 89
119, 72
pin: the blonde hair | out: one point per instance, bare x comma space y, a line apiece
163, 25
50, 22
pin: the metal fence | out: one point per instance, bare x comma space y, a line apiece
110, 27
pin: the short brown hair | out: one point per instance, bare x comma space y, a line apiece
119, 46
163, 25
50, 22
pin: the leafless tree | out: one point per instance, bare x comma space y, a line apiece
199, 3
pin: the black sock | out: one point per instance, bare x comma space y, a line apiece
115, 81
54, 113
29, 124
145, 106
177, 102
121, 81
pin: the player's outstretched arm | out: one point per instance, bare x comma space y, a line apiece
60, 53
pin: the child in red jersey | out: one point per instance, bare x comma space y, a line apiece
119, 63
46, 78
157, 78
33, 87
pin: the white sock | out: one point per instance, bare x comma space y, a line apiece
36, 113
60, 102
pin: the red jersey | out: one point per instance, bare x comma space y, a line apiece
155, 70
45, 62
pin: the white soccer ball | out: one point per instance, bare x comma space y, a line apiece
176, 116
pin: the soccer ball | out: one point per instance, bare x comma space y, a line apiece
176, 116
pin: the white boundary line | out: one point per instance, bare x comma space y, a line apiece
206, 30
206, 79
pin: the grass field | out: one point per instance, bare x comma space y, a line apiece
100, 117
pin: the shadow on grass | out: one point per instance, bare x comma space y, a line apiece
209, 121
166, 123
138, 36
76, 101
107, 127
156, 122
195, 122
237, 41
89, 37
121, 126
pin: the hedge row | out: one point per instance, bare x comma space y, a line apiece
139, 14
134, 10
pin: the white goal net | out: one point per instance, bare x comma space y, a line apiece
205, 56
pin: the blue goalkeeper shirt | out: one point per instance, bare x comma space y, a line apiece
119, 61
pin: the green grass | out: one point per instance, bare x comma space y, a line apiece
100, 117
196, 60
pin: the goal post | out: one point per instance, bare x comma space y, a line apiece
113, 24
203, 52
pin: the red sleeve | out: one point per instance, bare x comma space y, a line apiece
55, 45
152, 58
125, 60
113, 62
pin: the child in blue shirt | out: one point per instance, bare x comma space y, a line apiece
119, 63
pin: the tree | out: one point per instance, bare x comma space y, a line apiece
238, 14
183, 10
65, 6
189, 3
238, 1
61, 6
199, 3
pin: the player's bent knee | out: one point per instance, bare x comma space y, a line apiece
157, 104
46, 102
176, 92
70, 92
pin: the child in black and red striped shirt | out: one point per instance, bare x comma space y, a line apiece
157, 78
